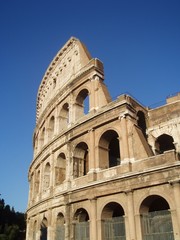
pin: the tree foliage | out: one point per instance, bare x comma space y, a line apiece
12, 224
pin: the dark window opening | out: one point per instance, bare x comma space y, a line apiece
43, 230
158, 204
164, 143
142, 122
113, 224
112, 210
154, 203
156, 222
109, 149
81, 226
114, 153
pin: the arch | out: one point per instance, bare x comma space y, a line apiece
142, 122
81, 215
60, 228
113, 224
164, 143
47, 171
44, 229
60, 169
112, 209
51, 127
109, 149
82, 103
153, 203
156, 219
64, 116
80, 160
81, 226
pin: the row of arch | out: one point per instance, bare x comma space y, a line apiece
56, 124
109, 152
57, 74
155, 218
109, 155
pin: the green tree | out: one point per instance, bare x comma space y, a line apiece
12, 223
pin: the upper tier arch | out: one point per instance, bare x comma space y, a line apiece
66, 65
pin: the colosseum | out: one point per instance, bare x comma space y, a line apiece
102, 169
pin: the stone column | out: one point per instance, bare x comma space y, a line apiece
50, 226
91, 150
28, 229
72, 112
57, 126
92, 162
175, 224
52, 175
138, 226
93, 97
49, 134
124, 145
39, 222
69, 163
45, 134
176, 214
31, 192
40, 143
93, 223
130, 214
41, 181
99, 232
67, 222
55, 122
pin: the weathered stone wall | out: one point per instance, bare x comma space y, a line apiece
97, 159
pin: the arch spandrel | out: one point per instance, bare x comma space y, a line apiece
66, 65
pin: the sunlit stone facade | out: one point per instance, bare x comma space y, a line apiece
101, 169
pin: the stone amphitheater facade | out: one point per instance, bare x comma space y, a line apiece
101, 169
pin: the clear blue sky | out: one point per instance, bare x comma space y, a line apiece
138, 42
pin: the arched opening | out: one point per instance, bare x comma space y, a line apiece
142, 122
156, 222
109, 150
60, 228
81, 160
51, 128
64, 117
60, 169
164, 143
81, 226
44, 229
82, 103
47, 171
113, 224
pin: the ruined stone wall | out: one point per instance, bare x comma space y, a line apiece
98, 161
